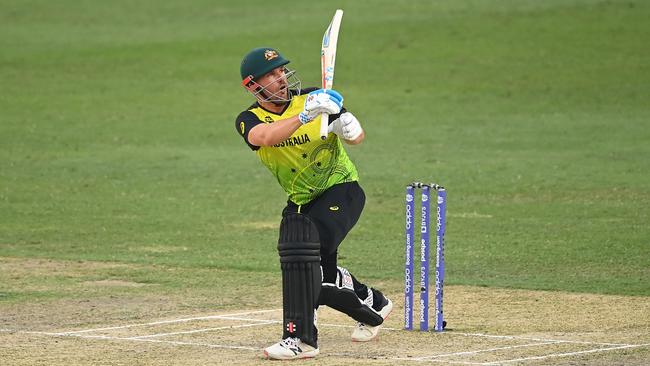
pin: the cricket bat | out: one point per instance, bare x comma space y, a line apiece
327, 61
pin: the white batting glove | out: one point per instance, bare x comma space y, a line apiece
320, 101
346, 126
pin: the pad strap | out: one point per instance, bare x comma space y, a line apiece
341, 296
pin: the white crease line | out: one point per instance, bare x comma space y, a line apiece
279, 321
464, 353
540, 339
566, 354
170, 321
420, 359
204, 330
260, 322
235, 317
434, 360
546, 340
227, 317
146, 340
543, 340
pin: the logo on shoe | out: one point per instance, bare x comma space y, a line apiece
295, 350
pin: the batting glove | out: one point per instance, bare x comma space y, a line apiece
346, 126
320, 101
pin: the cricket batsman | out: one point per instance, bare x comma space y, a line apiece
324, 199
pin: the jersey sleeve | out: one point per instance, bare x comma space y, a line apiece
244, 123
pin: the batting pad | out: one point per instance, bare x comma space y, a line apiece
299, 249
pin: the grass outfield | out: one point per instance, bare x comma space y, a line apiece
118, 142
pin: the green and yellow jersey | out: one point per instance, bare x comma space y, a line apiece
304, 165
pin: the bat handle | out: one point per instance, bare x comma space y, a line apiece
323, 125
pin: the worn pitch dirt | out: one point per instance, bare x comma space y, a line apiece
478, 317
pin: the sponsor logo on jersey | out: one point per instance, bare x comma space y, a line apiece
268, 119
242, 127
334, 208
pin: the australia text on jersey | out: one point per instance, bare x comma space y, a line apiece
295, 140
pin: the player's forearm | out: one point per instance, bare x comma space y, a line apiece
273, 133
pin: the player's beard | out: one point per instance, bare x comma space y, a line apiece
280, 97
284, 93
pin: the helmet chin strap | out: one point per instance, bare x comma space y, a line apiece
280, 104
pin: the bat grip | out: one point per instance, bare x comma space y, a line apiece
323, 125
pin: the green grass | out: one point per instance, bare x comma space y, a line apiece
117, 134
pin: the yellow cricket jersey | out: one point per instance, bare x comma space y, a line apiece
304, 165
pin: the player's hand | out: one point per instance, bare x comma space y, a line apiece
321, 101
346, 126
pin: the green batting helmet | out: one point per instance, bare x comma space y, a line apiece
259, 61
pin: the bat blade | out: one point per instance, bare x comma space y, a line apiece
328, 61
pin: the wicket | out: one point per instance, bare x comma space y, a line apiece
409, 284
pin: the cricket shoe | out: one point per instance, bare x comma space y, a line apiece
290, 348
364, 332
